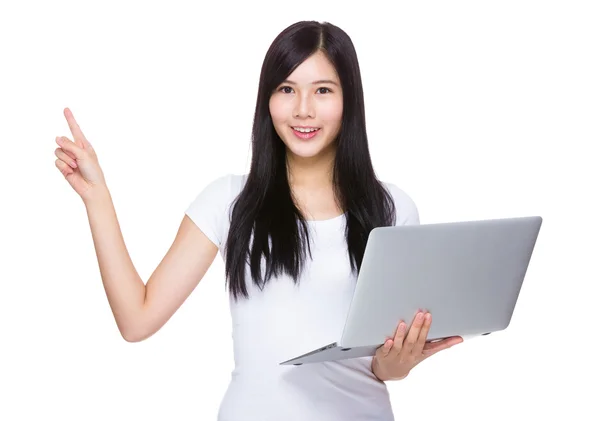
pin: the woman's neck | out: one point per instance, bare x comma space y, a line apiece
311, 185
311, 173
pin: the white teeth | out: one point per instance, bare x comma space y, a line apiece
305, 130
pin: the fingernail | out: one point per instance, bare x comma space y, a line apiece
74, 164
59, 139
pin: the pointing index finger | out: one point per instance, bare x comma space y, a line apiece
78, 135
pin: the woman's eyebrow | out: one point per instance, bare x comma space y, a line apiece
316, 82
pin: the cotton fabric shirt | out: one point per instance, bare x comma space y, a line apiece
284, 320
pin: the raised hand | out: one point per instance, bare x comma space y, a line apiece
77, 160
399, 355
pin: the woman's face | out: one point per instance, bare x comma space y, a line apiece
307, 108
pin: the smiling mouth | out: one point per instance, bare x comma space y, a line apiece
305, 132
305, 129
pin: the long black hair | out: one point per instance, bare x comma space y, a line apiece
265, 221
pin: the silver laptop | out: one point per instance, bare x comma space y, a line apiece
467, 274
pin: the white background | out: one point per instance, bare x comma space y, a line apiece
477, 109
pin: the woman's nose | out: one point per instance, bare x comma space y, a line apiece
304, 107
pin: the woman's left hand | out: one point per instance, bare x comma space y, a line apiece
399, 355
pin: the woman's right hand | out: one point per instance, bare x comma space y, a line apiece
77, 160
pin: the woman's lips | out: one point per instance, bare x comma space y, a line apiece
305, 135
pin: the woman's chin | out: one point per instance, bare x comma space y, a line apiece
307, 150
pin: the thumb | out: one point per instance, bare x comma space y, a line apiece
70, 147
385, 349
79, 142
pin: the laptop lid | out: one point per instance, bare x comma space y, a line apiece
467, 274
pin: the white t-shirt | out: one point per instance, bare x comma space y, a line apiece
285, 320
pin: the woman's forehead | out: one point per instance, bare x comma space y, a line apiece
316, 69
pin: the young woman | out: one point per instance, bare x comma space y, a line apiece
292, 233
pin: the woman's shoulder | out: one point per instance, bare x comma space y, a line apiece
225, 185
407, 212
229, 179
213, 203
218, 193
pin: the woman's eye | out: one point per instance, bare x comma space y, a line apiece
289, 90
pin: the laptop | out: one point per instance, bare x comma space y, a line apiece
467, 274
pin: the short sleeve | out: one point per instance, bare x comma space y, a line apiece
406, 209
209, 210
